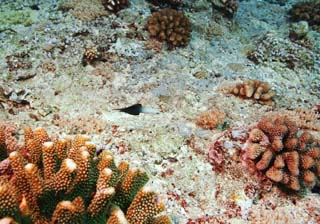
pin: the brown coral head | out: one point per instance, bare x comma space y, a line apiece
171, 26
115, 5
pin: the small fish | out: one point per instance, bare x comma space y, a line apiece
136, 109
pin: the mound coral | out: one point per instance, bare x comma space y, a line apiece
63, 181
306, 11
274, 51
115, 5
256, 90
286, 155
171, 26
228, 7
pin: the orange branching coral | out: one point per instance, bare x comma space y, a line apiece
171, 26
285, 154
256, 90
145, 205
8, 143
68, 183
211, 119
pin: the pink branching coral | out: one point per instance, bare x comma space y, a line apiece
285, 154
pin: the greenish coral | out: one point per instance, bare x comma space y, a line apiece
10, 18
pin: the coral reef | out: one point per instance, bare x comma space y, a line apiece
115, 5
271, 49
306, 11
83, 9
172, 2
171, 26
256, 90
285, 154
228, 7
63, 181
211, 119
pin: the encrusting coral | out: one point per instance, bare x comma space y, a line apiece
64, 181
171, 26
115, 5
285, 154
256, 90
306, 11
211, 119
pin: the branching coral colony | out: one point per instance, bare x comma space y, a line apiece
256, 90
62, 181
171, 26
286, 155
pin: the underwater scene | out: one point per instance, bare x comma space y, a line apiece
160, 111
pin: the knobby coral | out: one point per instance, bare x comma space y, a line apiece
256, 90
115, 5
63, 181
171, 26
306, 11
285, 154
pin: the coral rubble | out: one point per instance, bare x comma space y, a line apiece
172, 2
285, 154
228, 7
83, 9
171, 26
256, 90
306, 11
115, 5
63, 181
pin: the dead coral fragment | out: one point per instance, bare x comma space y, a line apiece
171, 26
115, 5
306, 11
256, 90
283, 153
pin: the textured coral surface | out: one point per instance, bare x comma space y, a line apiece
63, 181
285, 154
171, 26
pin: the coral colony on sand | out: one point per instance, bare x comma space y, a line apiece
287, 155
170, 26
256, 90
63, 181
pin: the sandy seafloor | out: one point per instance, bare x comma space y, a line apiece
68, 98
